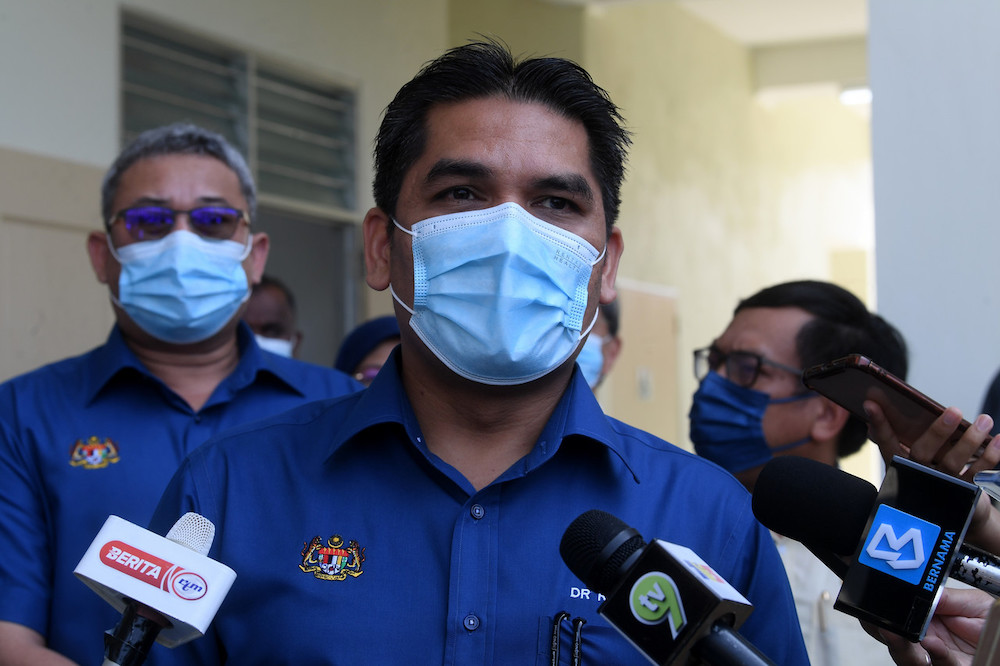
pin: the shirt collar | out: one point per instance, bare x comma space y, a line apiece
577, 414
114, 358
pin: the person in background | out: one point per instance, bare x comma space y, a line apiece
751, 405
365, 349
271, 316
426, 511
103, 432
599, 352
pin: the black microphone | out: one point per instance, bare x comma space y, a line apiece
661, 597
902, 541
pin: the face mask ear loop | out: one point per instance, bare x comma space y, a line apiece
401, 228
601, 255
400, 301
393, 291
248, 248
114, 252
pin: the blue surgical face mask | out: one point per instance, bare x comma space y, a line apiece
279, 346
591, 360
182, 288
499, 295
726, 422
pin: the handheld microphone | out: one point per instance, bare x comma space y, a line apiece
663, 598
903, 540
166, 588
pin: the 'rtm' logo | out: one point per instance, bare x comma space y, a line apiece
654, 598
896, 544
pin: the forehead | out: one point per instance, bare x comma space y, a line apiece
510, 137
767, 331
179, 180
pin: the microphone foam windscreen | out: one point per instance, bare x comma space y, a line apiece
194, 531
587, 537
814, 503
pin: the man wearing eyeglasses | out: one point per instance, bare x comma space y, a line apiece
103, 432
751, 406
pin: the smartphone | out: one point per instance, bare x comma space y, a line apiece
851, 380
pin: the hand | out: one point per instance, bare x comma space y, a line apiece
952, 635
932, 447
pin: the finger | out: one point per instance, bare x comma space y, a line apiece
989, 459
881, 432
940, 653
965, 451
929, 448
903, 652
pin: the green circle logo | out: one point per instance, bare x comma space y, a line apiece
654, 599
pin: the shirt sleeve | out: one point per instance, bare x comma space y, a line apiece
25, 557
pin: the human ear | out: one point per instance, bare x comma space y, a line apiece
378, 244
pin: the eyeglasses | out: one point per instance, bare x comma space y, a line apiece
742, 367
152, 222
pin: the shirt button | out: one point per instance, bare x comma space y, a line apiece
471, 622
477, 511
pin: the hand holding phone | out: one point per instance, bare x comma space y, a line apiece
903, 420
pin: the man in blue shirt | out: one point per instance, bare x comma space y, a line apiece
419, 521
103, 432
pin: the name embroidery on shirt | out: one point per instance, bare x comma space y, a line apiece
333, 561
94, 453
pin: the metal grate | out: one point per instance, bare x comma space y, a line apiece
299, 135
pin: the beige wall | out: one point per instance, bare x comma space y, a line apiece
724, 194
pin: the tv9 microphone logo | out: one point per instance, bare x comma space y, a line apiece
153, 570
654, 598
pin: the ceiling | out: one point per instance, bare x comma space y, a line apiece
768, 22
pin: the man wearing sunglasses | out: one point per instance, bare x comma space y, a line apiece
751, 405
103, 433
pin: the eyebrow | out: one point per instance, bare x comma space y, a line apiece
571, 183
159, 201
447, 168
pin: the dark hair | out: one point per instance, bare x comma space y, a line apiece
487, 69
612, 315
177, 139
842, 326
271, 281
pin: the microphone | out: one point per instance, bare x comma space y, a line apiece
902, 541
166, 588
663, 598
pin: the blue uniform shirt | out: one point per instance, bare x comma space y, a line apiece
96, 435
353, 543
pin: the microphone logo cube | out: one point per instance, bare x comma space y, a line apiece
654, 598
895, 544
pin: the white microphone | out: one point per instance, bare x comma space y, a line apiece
166, 587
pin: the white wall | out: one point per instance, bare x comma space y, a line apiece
58, 78
934, 68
